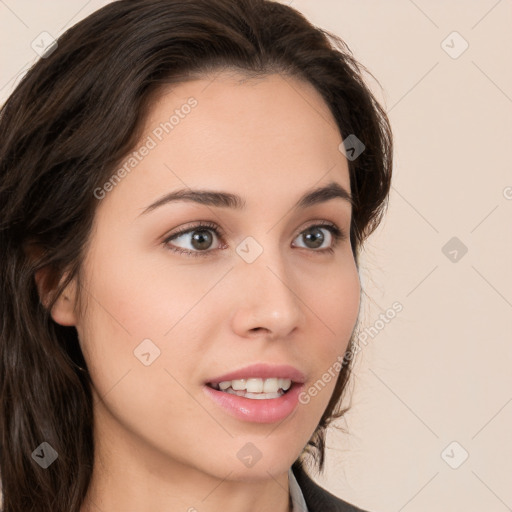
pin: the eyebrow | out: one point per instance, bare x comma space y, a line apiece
218, 199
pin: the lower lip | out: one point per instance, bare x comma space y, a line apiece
268, 410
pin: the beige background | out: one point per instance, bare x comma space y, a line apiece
436, 381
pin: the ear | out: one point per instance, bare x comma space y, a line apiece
63, 311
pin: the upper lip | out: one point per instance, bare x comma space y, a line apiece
263, 371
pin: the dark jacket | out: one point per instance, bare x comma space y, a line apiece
316, 497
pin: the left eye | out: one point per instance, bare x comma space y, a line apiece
202, 238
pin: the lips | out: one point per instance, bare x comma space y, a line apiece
267, 410
261, 371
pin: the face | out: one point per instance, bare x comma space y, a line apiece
181, 293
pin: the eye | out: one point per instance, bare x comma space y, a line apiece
202, 238
314, 236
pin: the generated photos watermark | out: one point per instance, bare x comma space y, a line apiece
333, 371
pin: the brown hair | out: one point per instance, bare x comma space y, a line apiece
76, 113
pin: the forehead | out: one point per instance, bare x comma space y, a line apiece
235, 107
255, 137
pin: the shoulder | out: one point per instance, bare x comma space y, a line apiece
317, 498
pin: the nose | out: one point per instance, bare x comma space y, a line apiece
266, 301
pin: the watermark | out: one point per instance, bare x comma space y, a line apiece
151, 142
146, 352
454, 45
384, 319
45, 455
44, 45
454, 249
352, 147
333, 371
249, 455
454, 455
249, 249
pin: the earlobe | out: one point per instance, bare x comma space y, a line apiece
63, 311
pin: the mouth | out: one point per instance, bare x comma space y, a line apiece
259, 400
255, 388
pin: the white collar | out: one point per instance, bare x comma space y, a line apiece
298, 502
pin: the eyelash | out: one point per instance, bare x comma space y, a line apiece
337, 234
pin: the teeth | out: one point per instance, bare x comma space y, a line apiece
269, 385
256, 386
256, 396
262, 386
238, 385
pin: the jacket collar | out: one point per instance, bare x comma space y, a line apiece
317, 499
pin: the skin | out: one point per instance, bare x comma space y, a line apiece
161, 443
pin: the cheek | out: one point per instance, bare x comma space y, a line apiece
336, 311
335, 300
138, 304
131, 307
144, 294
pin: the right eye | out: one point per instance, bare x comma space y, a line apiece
202, 237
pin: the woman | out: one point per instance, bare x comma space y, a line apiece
185, 189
